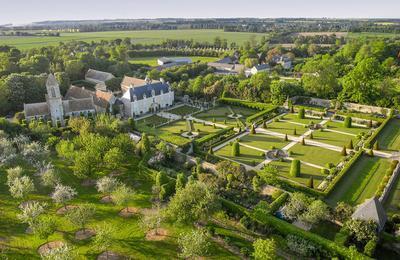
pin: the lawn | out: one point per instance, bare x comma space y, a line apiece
172, 132
183, 110
333, 138
306, 121
360, 182
315, 155
392, 203
305, 172
247, 155
152, 61
152, 121
263, 141
220, 115
129, 235
143, 37
389, 138
339, 126
286, 128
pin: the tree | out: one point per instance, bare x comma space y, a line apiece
144, 144
347, 122
297, 204
191, 203
104, 236
74, 69
362, 230
344, 152
50, 178
30, 212
193, 244
44, 227
62, 194
310, 183
113, 158
121, 195
343, 211
80, 215
295, 168
264, 249
235, 148
12, 174
86, 163
152, 220
301, 113
21, 187
180, 181
252, 130
315, 212
350, 145
64, 252
107, 184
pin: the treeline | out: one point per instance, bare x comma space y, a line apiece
25, 33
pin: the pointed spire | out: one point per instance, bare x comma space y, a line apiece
51, 80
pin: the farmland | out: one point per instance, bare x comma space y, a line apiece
152, 61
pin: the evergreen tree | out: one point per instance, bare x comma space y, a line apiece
236, 149
252, 130
376, 146
310, 183
295, 168
303, 142
286, 138
347, 122
344, 151
301, 114
350, 146
295, 132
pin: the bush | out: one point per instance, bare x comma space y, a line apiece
301, 113
295, 168
347, 122
370, 153
276, 204
350, 145
344, 152
235, 149
370, 247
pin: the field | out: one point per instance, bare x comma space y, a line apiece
219, 115
333, 138
389, 138
263, 141
144, 37
152, 121
128, 233
183, 110
286, 128
360, 182
248, 156
371, 35
315, 155
152, 61
338, 126
305, 172
306, 121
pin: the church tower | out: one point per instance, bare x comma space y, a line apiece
54, 100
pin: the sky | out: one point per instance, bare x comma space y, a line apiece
26, 11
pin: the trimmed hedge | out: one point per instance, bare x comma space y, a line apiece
263, 115
284, 228
345, 169
246, 103
386, 178
214, 136
371, 139
276, 204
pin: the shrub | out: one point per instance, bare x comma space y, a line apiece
286, 138
376, 146
301, 113
235, 149
347, 122
252, 130
370, 247
344, 152
276, 204
371, 153
310, 183
325, 171
350, 145
295, 168
294, 132
303, 142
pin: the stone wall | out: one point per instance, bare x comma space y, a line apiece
389, 185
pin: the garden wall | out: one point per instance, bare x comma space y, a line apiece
390, 184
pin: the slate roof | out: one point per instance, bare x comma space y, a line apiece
128, 81
147, 89
262, 67
75, 92
77, 105
36, 109
98, 75
371, 209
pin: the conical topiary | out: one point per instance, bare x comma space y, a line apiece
350, 146
344, 151
303, 142
310, 183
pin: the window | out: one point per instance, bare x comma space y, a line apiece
53, 92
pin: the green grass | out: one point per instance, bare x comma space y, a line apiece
371, 35
315, 155
183, 110
339, 126
392, 204
305, 172
152, 120
263, 141
360, 182
389, 138
143, 37
286, 128
152, 61
220, 115
247, 155
129, 234
305, 121
333, 138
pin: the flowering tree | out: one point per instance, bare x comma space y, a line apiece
65, 252
62, 194
106, 185
21, 187
31, 211
193, 244
121, 195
